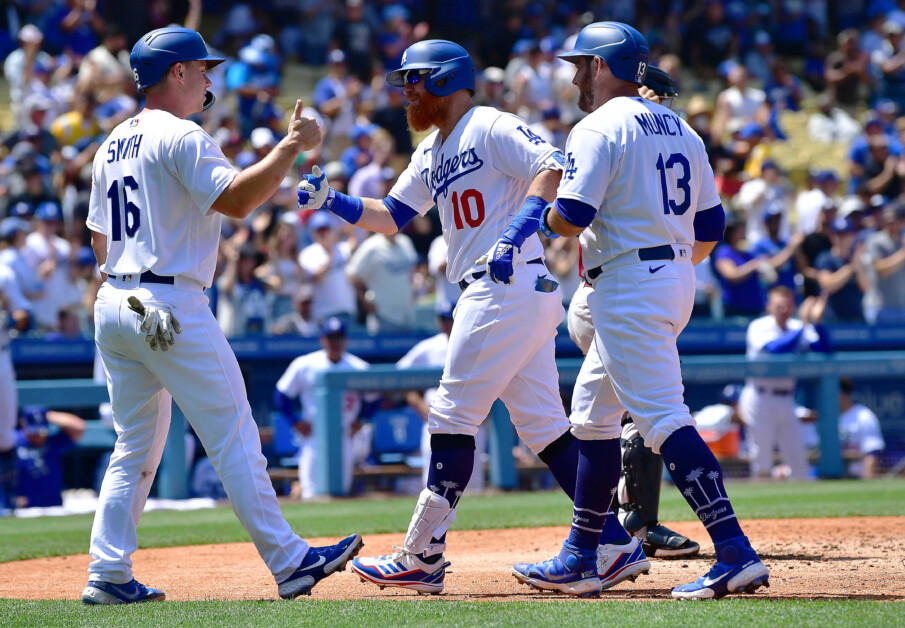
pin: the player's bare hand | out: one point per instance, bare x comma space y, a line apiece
314, 190
648, 94
304, 132
499, 262
158, 324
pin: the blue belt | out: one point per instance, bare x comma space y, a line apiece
650, 254
149, 277
464, 283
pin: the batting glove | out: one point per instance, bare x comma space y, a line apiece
314, 190
500, 261
158, 324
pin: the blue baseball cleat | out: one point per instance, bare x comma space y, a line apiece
574, 572
319, 563
404, 570
738, 569
101, 593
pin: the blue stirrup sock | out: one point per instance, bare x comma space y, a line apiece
599, 469
451, 466
699, 478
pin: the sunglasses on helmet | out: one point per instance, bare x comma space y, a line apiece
413, 77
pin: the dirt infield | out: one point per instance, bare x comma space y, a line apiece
854, 558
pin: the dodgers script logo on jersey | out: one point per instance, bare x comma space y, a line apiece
450, 169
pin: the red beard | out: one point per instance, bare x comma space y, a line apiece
425, 114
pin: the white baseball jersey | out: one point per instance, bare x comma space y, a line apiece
764, 330
11, 299
298, 381
428, 352
478, 177
648, 200
156, 160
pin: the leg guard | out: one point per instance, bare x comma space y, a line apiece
432, 518
639, 498
639, 488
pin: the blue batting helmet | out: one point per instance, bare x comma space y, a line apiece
161, 48
450, 67
622, 47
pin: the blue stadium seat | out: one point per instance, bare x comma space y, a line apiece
397, 434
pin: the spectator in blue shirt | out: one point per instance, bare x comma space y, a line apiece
40, 455
779, 253
360, 153
736, 270
841, 274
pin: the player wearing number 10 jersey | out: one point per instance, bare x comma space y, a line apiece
490, 176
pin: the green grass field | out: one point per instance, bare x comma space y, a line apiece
29, 538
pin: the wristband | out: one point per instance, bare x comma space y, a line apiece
526, 221
544, 227
349, 208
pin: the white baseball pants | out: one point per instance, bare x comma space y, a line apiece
201, 373
502, 347
771, 422
633, 363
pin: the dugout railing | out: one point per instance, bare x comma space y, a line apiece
824, 370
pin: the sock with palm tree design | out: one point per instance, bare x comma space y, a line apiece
699, 477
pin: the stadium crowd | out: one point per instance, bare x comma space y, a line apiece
739, 66
743, 67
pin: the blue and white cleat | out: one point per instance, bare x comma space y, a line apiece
738, 569
319, 563
102, 593
574, 572
404, 570
618, 563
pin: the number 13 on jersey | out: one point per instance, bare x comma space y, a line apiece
683, 176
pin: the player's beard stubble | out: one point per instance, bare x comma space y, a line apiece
426, 113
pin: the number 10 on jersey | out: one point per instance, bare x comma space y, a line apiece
472, 208
119, 205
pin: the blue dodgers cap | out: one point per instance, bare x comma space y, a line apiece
34, 420
333, 326
750, 130
730, 393
827, 176
22, 210
844, 225
319, 220
85, 256
9, 227
445, 309
49, 210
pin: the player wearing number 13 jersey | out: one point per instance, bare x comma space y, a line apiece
490, 177
638, 188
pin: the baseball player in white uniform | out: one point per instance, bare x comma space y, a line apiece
14, 308
639, 190
489, 174
298, 383
159, 187
638, 496
767, 404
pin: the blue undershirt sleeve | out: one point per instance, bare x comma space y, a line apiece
575, 212
402, 214
822, 344
787, 343
284, 406
710, 224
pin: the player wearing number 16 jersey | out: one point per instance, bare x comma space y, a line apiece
490, 176
159, 187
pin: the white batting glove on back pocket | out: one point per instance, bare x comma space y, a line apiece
159, 325
314, 190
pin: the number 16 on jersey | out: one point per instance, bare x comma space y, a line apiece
122, 210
